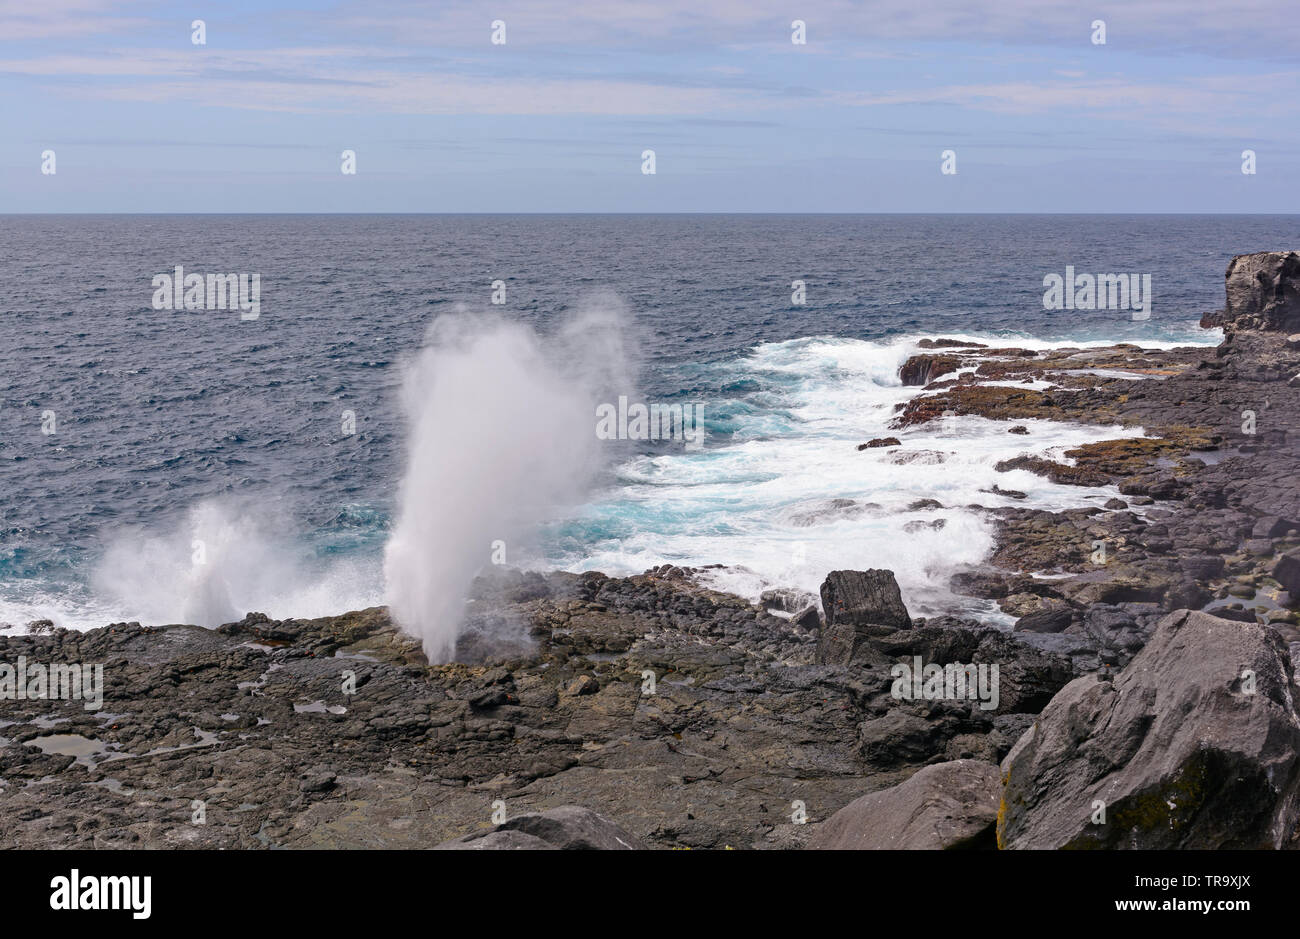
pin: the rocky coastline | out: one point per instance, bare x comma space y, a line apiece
1146, 695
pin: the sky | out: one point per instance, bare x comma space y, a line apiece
1040, 117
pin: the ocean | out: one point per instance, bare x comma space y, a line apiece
173, 465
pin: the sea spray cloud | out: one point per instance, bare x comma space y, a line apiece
499, 437
195, 573
221, 560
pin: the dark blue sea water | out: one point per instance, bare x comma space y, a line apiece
177, 427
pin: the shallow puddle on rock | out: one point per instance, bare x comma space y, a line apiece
361, 656
86, 750
203, 738
320, 707
1211, 457
1261, 603
113, 785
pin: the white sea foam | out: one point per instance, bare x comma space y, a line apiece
764, 504
219, 562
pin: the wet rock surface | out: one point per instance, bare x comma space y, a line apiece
686, 717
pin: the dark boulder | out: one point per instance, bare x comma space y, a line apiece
1027, 676
1049, 620
877, 442
923, 369
852, 600
1270, 526
901, 736
809, 618
1202, 567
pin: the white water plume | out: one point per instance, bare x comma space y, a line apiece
501, 434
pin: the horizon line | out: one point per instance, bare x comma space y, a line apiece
656, 214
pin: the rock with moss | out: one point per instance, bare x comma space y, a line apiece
1194, 745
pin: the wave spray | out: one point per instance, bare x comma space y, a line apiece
501, 434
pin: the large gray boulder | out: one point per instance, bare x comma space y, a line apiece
944, 806
569, 827
851, 601
1263, 292
1180, 751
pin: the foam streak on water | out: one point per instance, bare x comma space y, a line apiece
790, 497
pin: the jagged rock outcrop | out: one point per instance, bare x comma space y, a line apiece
943, 807
869, 597
1196, 744
569, 827
944, 343
1027, 677
852, 600
924, 368
1263, 292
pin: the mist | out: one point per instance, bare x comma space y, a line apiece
221, 560
500, 436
